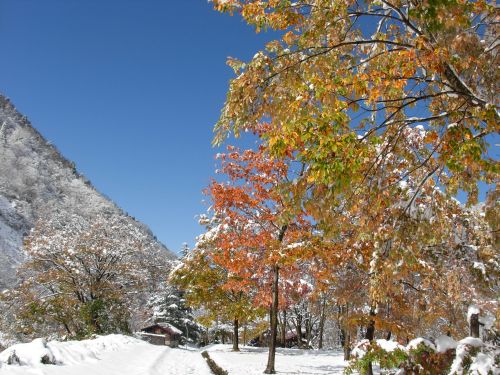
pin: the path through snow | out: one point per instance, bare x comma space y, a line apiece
137, 359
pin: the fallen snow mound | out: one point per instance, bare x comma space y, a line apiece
39, 352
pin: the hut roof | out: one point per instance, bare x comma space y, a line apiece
165, 327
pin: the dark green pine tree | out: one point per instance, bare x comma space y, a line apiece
169, 306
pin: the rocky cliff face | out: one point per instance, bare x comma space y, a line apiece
37, 181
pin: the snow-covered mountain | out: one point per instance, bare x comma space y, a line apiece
37, 181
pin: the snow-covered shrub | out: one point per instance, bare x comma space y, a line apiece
31, 354
39, 352
469, 356
474, 357
388, 354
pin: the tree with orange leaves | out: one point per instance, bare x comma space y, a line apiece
260, 236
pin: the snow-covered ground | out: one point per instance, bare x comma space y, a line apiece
121, 355
108, 355
252, 361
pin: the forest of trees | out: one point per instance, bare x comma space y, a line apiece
342, 226
370, 118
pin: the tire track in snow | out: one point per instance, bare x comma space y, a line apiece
179, 362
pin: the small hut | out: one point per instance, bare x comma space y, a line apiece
162, 334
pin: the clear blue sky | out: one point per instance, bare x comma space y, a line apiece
129, 90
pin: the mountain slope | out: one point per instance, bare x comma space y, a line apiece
37, 181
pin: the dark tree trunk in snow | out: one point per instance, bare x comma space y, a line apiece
283, 329
474, 325
345, 336
298, 331
309, 328
322, 324
274, 313
235, 334
370, 335
347, 347
274, 323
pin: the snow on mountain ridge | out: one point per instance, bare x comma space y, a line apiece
37, 181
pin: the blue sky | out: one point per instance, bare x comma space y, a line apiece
129, 90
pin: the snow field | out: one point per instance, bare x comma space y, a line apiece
106, 355
123, 355
252, 361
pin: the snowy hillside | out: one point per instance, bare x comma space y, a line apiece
37, 181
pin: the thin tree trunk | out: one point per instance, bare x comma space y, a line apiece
235, 334
283, 330
322, 323
274, 323
342, 337
274, 313
309, 323
67, 328
345, 335
370, 335
245, 334
347, 346
474, 325
298, 330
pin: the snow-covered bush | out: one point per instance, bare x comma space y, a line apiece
470, 356
388, 354
40, 352
475, 357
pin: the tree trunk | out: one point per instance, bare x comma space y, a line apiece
345, 336
283, 330
474, 325
370, 335
347, 346
274, 312
389, 335
67, 328
235, 334
274, 322
322, 323
298, 331
309, 324
245, 334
